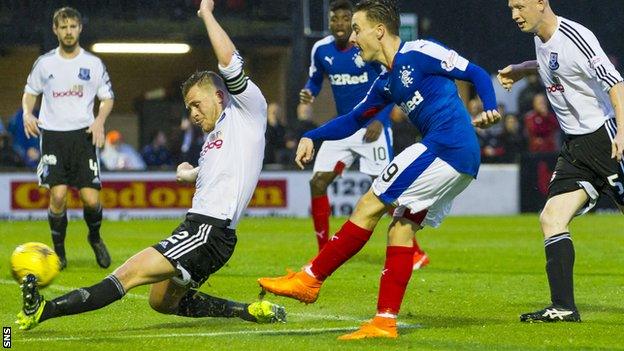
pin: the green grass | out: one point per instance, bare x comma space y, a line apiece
484, 272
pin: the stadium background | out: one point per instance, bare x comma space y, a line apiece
485, 270
275, 37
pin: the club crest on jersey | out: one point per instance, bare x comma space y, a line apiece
406, 78
84, 74
357, 59
553, 63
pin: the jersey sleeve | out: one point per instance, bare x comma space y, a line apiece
435, 59
35, 81
593, 62
105, 88
316, 72
244, 93
345, 125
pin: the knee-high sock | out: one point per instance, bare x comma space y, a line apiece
559, 267
82, 300
196, 304
394, 279
58, 228
93, 217
343, 245
320, 216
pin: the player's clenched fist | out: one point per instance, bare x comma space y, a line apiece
486, 119
305, 152
186, 172
206, 6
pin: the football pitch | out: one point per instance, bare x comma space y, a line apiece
484, 272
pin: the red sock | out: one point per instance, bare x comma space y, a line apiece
342, 246
320, 216
394, 278
417, 247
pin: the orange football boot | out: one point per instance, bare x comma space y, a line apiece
297, 285
378, 327
420, 260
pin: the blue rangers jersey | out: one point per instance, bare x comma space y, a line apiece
349, 76
421, 82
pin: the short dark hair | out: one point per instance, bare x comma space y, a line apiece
381, 11
341, 5
64, 13
202, 79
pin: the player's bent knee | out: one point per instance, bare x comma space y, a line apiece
57, 202
162, 306
552, 222
93, 204
319, 183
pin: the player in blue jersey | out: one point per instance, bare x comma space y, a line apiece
350, 78
422, 180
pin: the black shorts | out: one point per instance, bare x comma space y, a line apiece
585, 163
68, 158
198, 247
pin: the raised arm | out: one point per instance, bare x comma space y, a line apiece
220, 41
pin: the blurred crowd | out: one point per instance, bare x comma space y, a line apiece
529, 126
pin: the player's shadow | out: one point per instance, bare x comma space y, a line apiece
222, 325
600, 309
189, 323
73, 264
422, 321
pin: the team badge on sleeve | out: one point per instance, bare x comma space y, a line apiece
553, 63
406, 75
84, 74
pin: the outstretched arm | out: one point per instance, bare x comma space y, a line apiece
343, 126
220, 41
438, 60
513, 73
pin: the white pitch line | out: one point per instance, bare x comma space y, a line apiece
212, 334
302, 316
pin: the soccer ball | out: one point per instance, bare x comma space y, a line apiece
35, 258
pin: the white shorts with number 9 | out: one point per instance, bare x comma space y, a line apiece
418, 180
337, 155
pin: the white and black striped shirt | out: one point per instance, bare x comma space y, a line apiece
578, 76
231, 157
69, 88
